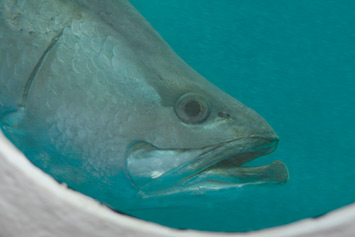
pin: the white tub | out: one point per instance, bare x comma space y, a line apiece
34, 204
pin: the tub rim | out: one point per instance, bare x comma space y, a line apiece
17, 168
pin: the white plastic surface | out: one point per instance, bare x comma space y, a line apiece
34, 204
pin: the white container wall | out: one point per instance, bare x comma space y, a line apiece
34, 204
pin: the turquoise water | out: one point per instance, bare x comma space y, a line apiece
294, 63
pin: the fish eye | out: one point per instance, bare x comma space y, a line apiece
192, 108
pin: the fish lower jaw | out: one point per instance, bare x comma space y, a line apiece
275, 172
231, 172
158, 172
213, 180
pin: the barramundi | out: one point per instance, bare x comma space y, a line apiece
95, 97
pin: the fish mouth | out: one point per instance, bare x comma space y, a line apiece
161, 171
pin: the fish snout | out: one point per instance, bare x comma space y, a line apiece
270, 137
262, 129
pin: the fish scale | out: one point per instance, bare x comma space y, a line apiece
92, 94
23, 34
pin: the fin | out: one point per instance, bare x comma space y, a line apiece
12, 119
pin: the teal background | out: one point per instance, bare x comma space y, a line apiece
294, 63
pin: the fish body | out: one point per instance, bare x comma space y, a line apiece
93, 95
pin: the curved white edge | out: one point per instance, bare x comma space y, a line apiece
33, 204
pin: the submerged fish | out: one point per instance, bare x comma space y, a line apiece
93, 95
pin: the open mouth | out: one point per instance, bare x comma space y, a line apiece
214, 167
231, 172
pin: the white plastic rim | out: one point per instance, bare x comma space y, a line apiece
33, 204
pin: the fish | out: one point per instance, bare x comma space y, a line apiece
96, 98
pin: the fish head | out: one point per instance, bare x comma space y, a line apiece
180, 131
201, 138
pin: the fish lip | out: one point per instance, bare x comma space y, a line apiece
206, 158
258, 146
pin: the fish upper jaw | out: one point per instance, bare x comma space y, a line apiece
160, 171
